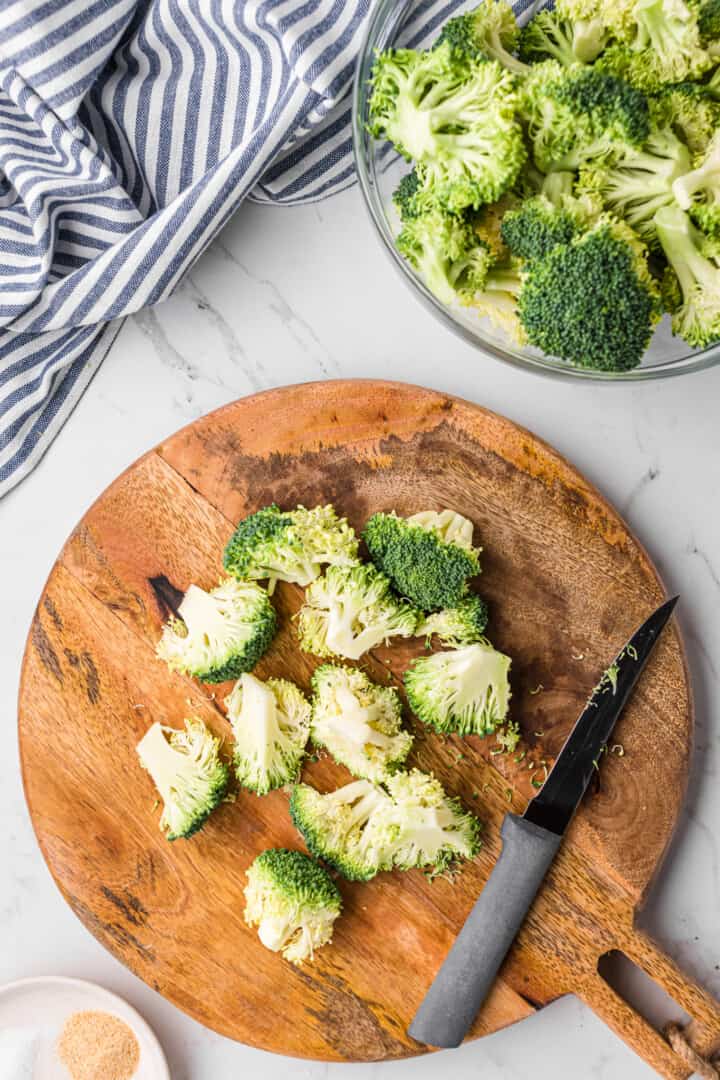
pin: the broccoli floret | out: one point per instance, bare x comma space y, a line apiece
405, 196
463, 690
359, 722
461, 625
360, 829
271, 726
219, 634
350, 610
699, 190
490, 31
548, 36
336, 827
428, 556
640, 180
697, 320
616, 16
536, 227
593, 301
709, 25
423, 825
290, 545
454, 117
668, 43
666, 47
293, 902
188, 773
689, 112
447, 253
574, 116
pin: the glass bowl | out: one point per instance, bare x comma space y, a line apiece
415, 24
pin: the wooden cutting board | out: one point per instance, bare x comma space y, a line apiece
567, 582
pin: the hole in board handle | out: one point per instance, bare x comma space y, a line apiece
640, 991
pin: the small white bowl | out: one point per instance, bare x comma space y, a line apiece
42, 1005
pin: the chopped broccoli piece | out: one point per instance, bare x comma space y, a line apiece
405, 196
579, 114
336, 827
666, 47
463, 690
536, 227
359, 722
699, 190
271, 726
548, 36
461, 625
293, 902
350, 610
289, 545
689, 112
668, 44
447, 253
697, 319
488, 32
593, 301
219, 634
454, 117
423, 825
508, 737
640, 180
614, 15
709, 25
188, 773
428, 556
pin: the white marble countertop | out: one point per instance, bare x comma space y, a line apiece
289, 295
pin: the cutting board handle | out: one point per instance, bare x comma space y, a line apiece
702, 1034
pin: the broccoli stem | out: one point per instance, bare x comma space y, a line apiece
557, 185
681, 243
498, 51
360, 811
160, 759
704, 179
503, 280
589, 39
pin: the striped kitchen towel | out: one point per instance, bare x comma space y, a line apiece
130, 130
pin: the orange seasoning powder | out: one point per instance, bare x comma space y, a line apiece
97, 1044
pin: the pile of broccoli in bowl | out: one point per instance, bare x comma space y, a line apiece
564, 186
411, 581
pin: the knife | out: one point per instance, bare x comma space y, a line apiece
529, 846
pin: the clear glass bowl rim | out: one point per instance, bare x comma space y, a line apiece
386, 19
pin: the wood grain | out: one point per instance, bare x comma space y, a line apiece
567, 583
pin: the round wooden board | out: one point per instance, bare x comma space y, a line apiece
567, 583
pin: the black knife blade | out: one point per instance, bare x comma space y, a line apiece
554, 806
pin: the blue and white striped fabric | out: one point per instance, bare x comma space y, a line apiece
130, 130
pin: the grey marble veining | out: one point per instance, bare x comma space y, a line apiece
290, 295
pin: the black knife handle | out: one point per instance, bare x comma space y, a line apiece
464, 980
